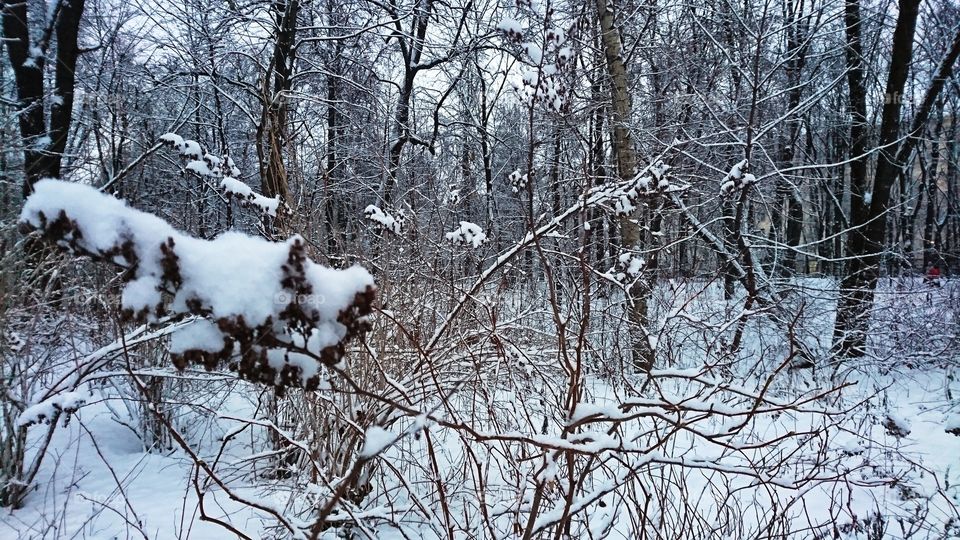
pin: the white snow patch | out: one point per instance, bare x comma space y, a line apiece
467, 233
201, 335
44, 411
377, 215
376, 440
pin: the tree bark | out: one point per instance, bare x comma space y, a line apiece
630, 232
42, 147
274, 125
869, 214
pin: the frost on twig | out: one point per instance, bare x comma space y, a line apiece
271, 313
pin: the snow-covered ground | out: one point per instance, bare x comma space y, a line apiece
864, 450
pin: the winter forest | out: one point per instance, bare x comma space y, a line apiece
457, 269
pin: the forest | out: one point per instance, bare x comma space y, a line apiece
457, 269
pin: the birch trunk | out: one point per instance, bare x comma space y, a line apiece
630, 231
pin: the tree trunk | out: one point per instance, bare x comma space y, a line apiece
42, 148
61, 107
787, 219
411, 50
332, 173
274, 126
630, 232
869, 215
931, 240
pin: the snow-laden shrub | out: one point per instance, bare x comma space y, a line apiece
271, 313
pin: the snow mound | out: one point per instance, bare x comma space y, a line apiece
951, 424
896, 425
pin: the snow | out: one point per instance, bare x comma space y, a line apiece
896, 425
511, 27
625, 196
245, 195
671, 440
376, 440
212, 161
736, 178
46, 410
200, 335
236, 187
736, 172
383, 219
199, 167
142, 295
530, 77
267, 205
951, 424
467, 233
33, 57
233, 277
534, 52
232, 169
172, 139
109, 486
634, 265
42, 142
517, 181
191, 149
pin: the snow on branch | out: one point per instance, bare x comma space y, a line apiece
207, 165
737, 179
546, 74
518, 181
467, 233
244, 195
653, 180
51, 408
269, 312
384, 219
512, 28
628, 268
